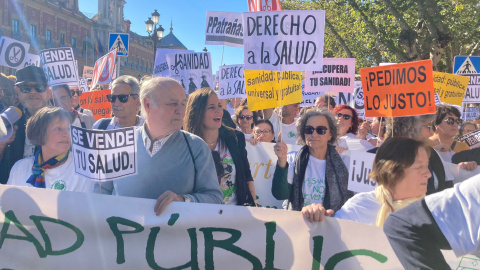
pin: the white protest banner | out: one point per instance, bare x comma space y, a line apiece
263, 161
224, 28
160, 67
361, 164
31, 60
289, 40
472, 139
359, 102
104, 155
472, 95
82, 85
104, 70
87, 72
309, 98
50, 229
232, 82
192, 70
470, 113
59, 66
13, 52
336, 75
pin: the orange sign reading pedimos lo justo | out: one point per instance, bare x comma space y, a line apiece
399, 90
96, 101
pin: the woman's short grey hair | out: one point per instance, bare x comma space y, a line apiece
409, 126
130, 80
302, 122
37, 125
151, 87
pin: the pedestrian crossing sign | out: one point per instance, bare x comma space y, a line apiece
466, 65
120, 42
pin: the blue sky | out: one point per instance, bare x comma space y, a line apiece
188, 22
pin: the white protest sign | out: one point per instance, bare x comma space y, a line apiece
31, 60
224, 28
105, 69
309, 98
160, 67
51, 229
59, 66
104, 155
472, 139
470, 113
361, 164
82, 85
232, 82
192, 70
289, 40
87, 72
359, 100
263, 161
336, 75
472, 95
13, 53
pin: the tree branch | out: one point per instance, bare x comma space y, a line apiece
339, 38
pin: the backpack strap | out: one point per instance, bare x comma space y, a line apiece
191, 154
104, 124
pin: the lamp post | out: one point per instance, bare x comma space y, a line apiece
153, 32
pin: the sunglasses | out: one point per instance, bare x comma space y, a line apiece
430, 127
259, 132
452, 121
121, 98
78, 92
321, 130
248, 117
28, 88
218, 163
345, 116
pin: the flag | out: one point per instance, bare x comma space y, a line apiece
98, 46
264, 5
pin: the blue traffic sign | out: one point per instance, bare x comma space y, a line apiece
120, 42
466, 65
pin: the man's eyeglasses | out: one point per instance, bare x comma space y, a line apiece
321, 130
345, 116
452, 121
121, 98
218, 163
259, 132
28, 88
78, 92
248, 117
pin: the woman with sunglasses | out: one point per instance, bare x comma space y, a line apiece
76, 93
347, 122
316, 174
204, 118
446, 123
244, 119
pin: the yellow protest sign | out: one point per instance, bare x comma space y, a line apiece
263, 88
450, 87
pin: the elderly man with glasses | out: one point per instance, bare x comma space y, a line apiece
33, 94
125, 105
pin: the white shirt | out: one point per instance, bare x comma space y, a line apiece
289, 131
115, 125
62, 177
157, 145
362, 208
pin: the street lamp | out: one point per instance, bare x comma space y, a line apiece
205, 50
153, 32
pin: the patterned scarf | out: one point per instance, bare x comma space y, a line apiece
388, 205
37, 179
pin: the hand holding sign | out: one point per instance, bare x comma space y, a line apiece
281, 149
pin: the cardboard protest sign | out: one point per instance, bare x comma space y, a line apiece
192, 70
160, 67
59, 66
470, 113
449, 87
77, 230
97, 102
288, 40
262, 161
399, 90
263, 88
309, 98
232, 82
104, 70
336, 75
87, 72
82, 85
224, 28
472, 139
104, 155
361, 164
13, 52
31, 60
472, 94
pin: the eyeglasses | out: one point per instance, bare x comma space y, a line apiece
321, 130
452, 121
218, 163
28, 88
121, 98
345, 116
248, 117
259, 132
78, 92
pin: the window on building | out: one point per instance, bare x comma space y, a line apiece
62, 39
48, 35
15, 26
84, 46
33, 30
74, 42
138, 63
133, 62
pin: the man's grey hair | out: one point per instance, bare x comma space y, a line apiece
150, 89
130, 80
